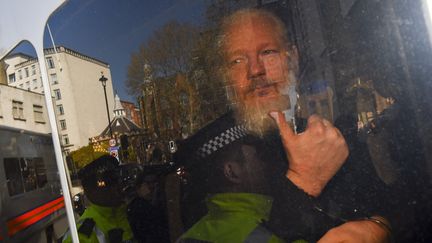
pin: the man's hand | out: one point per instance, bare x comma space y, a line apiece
357, 232
315, 155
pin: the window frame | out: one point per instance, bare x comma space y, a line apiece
18, 110
65, 139
60, 109
38, 114
63, 125
50, 62
54, 78
57, 94
11, 78
33, 69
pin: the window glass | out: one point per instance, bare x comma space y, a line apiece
13, 176
66, 139
50, 62
54, 78
12, 78
184, 99
41, 173
359, 70
57, 94
60, 110
28, 173
63, 124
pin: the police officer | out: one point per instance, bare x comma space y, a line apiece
105, 220
223, 161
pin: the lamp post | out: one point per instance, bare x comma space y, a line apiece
103, 81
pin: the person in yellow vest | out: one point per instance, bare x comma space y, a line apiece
225, 161
105, 219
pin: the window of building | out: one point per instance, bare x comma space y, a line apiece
169, 123
13, 176
33, 67
184, 99
34, 84
60, 110
17, 110
57, 94
12, 78
26, 70
27, 85
21, 86
28, 173
50, 62
128, 114
54, 78
20, 74
41, 174
63, 124
65, 139
38, 114
24, 174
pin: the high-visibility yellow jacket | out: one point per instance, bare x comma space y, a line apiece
97, 223
234, 218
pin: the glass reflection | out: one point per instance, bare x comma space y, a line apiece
362, 65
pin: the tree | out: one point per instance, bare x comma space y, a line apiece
167, 52
181, 48
83, 156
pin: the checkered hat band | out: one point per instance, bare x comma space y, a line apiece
230, 135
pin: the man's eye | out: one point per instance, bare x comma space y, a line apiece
237, 61
270, 51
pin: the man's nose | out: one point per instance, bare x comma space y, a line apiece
256, 67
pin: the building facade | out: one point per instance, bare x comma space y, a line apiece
24, 110
77, 93
131, 112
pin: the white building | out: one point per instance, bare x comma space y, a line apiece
22, 109
77, 93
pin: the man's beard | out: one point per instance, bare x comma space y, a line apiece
254, 113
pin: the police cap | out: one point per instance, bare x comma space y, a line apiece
101, 172
220, 135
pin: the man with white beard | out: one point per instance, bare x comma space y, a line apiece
260, 66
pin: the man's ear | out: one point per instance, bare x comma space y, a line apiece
232, 172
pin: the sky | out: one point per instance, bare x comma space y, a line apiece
110, 30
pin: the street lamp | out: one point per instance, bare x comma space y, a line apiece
103, 81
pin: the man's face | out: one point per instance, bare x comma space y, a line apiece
258, 68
